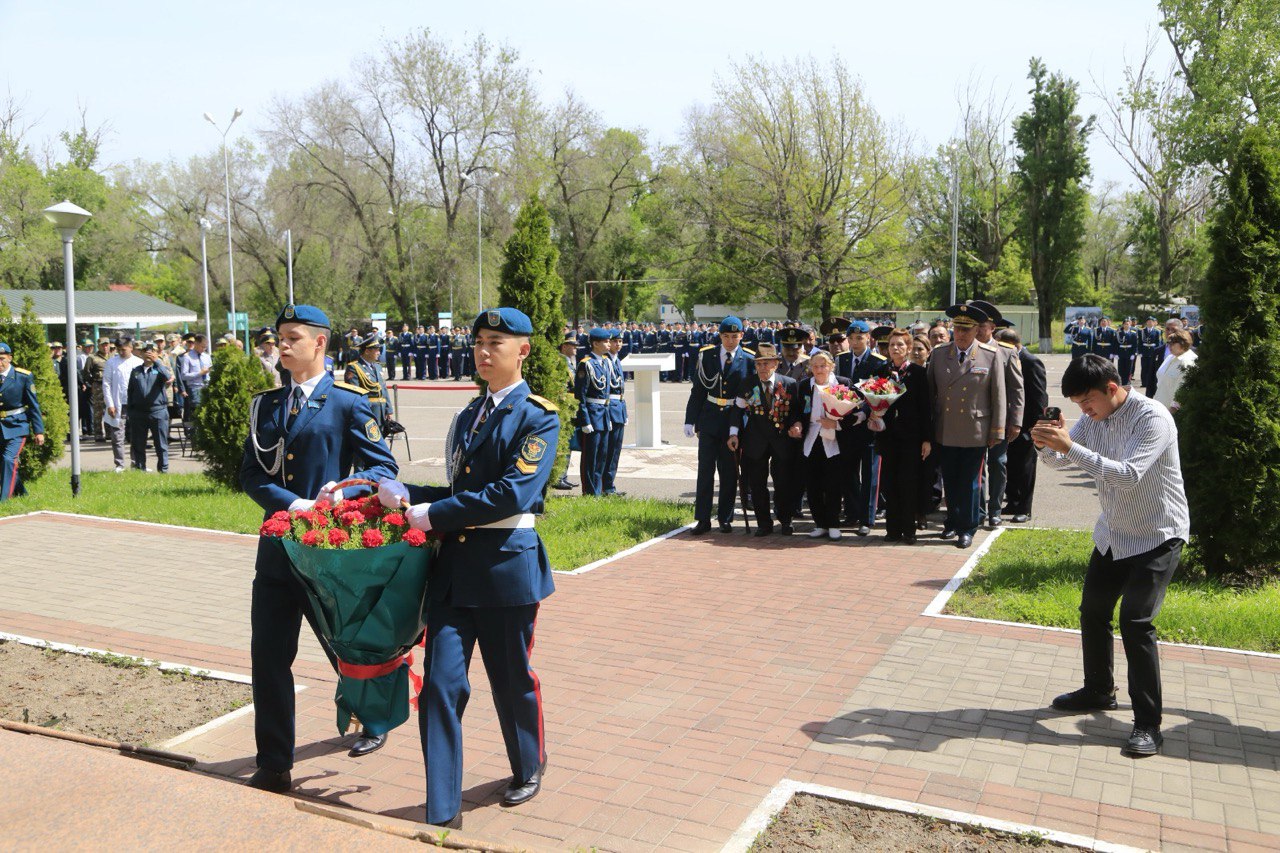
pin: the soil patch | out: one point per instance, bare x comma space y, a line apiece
810, 823
108, 696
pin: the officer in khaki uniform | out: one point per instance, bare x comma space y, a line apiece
1015, 401
94, 366
966, 378
795, 361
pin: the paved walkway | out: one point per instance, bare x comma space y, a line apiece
687, 680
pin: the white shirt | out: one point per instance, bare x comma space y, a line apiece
115, 386
816, 413
724, 355
496, 397
307, 387
1169, 376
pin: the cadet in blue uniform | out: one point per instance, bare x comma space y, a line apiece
1106, 342
433, 353
861, 475
680, 346
591, 388
1151, 342
457, 348
421, 350
710, 412
303, 439
19, 417
665, 345
1127, 348
617, 413
363, 373
148, 409
392, 348
492, 569
408, 352
446, 352
1082, 340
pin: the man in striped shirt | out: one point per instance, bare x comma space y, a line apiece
1129, 443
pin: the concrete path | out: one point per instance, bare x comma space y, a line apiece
686, 681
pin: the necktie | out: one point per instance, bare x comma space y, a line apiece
296, 400
962, 355
484, 416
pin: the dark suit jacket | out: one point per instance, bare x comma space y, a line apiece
146, 389
910, 418
758, 433
1036, 387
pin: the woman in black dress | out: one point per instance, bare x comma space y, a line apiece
903, 439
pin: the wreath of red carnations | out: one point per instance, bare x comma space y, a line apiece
347, 525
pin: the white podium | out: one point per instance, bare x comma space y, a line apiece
647, 417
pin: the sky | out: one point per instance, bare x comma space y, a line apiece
149, 70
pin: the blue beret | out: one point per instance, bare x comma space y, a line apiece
615, 334
308, 315
509, 320
4, 348
860, 326
599, 333
731, 324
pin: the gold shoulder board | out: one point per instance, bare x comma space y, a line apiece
22, 370
543, 403
348, 387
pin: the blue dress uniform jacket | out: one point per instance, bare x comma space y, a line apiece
591, 388
148, 409
617, 424
1152, 343
20, 416
1106, 343
1127, 347
712, 411
421, 351
485, 587
332, 433
408, 352
1082, 342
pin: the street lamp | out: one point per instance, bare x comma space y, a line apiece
479, 245
288, 238
954, 160
205, 226
68, 218
226, 178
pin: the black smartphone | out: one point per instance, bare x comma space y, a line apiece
1052, 413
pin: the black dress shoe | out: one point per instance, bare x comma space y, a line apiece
862, 530
275, 781
964, 540
994, 521
366, 744
454, 822
893, 537
909, 539
726, 527
1144, 741
1020, 519
517, 794
948, 534
762, 531
1085, 699
785, 530
564, 485
700, 528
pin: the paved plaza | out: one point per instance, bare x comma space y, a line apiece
682, 684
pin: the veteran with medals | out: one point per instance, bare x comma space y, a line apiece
303, 439
492, 569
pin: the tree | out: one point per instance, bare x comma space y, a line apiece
25, 336
1051, 167
222, 418
531, 283
1233, 393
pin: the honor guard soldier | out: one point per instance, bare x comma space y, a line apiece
303, 439
1127, 348
408, 352
491, 571
679, 346
861, 475
665, 345
390, 352
421, 349
694, 342
457, 352
363, 373
147, 409
1151, 340
1082, 340
649, 343
433, 353
617, 413
969, 410
591, 384
19, 417
1106, 342
718, 374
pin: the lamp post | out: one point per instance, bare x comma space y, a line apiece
204, 266
955, 217
288, 239
226, 178
68, 218
479, 245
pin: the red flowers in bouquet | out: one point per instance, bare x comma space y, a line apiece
350, 524
881, 392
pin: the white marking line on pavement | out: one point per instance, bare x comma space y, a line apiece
626, 553
230, 716
758, 820
166, 666
940, 601
142, 523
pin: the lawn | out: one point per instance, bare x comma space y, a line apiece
1034, 576
576, 530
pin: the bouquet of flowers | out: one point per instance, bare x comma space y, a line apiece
365, 572
880, 392
837, 401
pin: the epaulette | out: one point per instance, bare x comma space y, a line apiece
876, 354
749, 352
584, 359
543, 403
707, 347
987, 347
1007, 344
355, 389
269, 390
22, 370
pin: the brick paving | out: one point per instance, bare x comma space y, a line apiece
685, 681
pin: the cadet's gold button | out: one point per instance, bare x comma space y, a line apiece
467, 469
290, 477
289, 456
462, 538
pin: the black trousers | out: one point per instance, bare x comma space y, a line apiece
783, 467
715, 458
825, 484
1138, 583
1021, 484
900, 467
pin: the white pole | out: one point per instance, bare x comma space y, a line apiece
72, 366
288, 236
955, 218
231, 264
204, 264
479, 248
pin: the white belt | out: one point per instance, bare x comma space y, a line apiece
525, 519
16, 411
615, 396
598, 400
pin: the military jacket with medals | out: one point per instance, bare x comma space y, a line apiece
334, 436
591, 386
711, 409
490, 554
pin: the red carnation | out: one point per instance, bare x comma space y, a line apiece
346, 506
337, 537
311, 537
415, 537
371, 510
351, 519
274, 527
371, 538
280, 515
395, 519
323, 506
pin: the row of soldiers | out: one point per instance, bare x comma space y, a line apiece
1129, 347
426, 353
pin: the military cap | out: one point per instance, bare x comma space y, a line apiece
373, 339
87, 342
966, 314
173, 337
599, 333
730, 324
860, 326
570, 340
791, 337
1005, 323
308, 315
55, 345
268, 337
149, 346
102, 341
766, 352
832, 325
189, 336
4, 348
992, 312
836, 336
158, 336
880, 333
615, 334
510, 320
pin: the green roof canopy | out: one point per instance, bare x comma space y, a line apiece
99, 307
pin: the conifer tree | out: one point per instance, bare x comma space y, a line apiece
530, 283
222, 418
25, 336
1229, 421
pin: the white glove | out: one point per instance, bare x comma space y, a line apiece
329, 493
301, 504
391, 492
417, 517
588, 429
876, 425
688, 430
740, 402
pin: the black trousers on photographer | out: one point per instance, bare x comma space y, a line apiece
1138, 583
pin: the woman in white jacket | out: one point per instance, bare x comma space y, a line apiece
1179, 357
115, 393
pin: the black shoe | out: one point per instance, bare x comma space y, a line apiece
862, 530
366, 744
762, 531
909, 539
523, 793
726, 527
1084, 699
277, 782
964, 541
893, 537
785, 530
700, 528
1020, 519
948, 534
454, 822
564, 485
994, 521
1144, 741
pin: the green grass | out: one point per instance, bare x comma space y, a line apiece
576, 530
1035, 577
